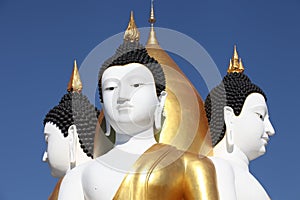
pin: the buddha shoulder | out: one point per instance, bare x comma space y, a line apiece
170, 155
198, 163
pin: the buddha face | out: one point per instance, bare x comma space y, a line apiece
57, 154
129, 98
252, 128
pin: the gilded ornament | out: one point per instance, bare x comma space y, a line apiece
132, 33
186, 124
235, 63
75, 84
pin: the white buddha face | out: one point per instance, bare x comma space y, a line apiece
57, 154
252, 128
129, 98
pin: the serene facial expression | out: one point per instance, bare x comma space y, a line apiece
252, 128
129, 97
57, 150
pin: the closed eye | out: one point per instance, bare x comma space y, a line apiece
137, 85
109, 88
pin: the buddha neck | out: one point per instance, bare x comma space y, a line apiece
136, 144
236, 157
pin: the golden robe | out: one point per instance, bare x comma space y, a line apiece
163, 173
54, 194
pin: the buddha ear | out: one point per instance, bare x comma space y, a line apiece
107, 123
159, 109
72, 137
228, 119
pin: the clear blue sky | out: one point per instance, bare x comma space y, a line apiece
40, 39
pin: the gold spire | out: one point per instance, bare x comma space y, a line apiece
152, 40
185, 116
75, 84
132, 33
152, 19
235, 63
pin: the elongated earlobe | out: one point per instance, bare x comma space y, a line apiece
229, 141
72, 135
228, 119
107, 124
159, 109
108, 128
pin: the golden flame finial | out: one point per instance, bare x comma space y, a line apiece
235, 63
132, 33
75, 84
241, 66
235, 53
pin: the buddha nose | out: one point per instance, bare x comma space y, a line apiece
122, 100
124, 94
45, 157
269, 128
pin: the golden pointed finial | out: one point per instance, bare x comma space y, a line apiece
235, 53
152, 40
230, 64
152, 19
75, 84
132, 33
235, 63
241, 66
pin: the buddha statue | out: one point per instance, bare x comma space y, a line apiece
132, 92
69, 130
239, 126
185, 109
184, 105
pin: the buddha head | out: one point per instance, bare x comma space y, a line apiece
69, 130
131, 88
237, 113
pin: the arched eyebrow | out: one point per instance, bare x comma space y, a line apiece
46, 134
260, 107
115, 80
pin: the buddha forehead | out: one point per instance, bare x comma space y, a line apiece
50, 128
255, 101
127, 72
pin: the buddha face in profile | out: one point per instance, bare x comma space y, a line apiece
237, 112
69, 130
252, 128
129, 97
57, 153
